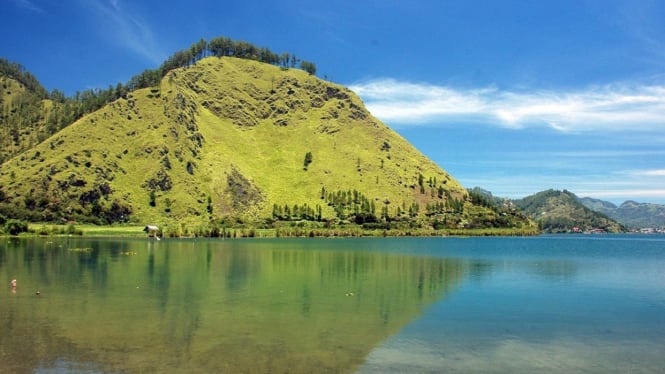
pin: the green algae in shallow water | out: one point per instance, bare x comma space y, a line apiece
81, 250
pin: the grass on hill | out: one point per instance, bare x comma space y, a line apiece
227, 140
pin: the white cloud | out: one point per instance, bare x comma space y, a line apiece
609, 108
27, 4
126, 27
649, 173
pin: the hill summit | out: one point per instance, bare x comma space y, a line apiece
230, 138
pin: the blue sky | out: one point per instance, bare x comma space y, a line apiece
512, 96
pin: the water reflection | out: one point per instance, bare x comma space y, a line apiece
550, 304
212, 306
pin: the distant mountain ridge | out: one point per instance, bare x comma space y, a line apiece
630, 213
562, 211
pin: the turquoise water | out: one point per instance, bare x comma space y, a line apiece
558, 304
590, 304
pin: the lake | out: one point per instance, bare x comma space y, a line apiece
560, 304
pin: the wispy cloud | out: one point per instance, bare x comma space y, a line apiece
27, 4
642, 21
610, 108
327, 22
126, 27
655, 173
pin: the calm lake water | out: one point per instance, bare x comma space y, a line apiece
558, 304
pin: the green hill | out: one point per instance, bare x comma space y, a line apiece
604, 207
23, 112
561, 211
29, 115
234, 139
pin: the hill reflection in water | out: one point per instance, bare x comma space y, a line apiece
212, 306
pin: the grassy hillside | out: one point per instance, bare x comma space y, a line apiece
230, 138
560, 211
23, 114
29, 114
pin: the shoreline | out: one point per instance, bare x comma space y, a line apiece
132, 231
